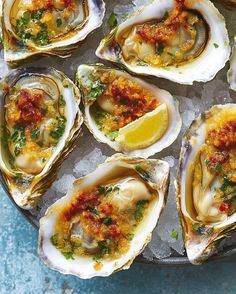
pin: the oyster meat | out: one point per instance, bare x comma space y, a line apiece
206, 183
40, 124
127, 113
52, 27
180, 40
106, 219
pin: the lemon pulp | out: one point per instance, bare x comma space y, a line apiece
146, 130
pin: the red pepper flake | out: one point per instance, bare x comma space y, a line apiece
29, 106
106, 208
225, 207
224, 138
84, 201
113, 233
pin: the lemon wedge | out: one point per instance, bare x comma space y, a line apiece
146, 130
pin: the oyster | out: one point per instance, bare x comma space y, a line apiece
183, 41
40, 124
232, 71
106, 219
52, 27
127, 113
206, 183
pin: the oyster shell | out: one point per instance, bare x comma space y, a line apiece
26, 26
232, 71
41, 122
134, 191
206, 181
114, 101
170, 39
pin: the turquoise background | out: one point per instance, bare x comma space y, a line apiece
21, 271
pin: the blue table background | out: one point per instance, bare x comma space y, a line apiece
21, 271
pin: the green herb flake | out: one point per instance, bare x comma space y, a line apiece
174, 234
68, 255
35, 133
160, 48
59, 22
218, 168
37, 15
216, 45
139, 211
107, 221
94, 211
113, 135
129, 237
60, 129
171, 54
62, 101
112, 20
44, 160
96, 89
18, 137
104, 247
142, 172
54, 240
196, 227
207, 162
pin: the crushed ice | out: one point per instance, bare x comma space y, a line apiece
89, 153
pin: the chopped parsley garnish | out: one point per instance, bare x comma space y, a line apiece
129, 237
36, 15
139, 211
142, 172
35, 133
171, 54
54, 240
96, 89
42, 37
44, 160
112, 20
218, 168
196, 227
62, 101
60, 129
18, 137
106, 190
207, 162
107, 221
94, 210
160, 48
174, 234
113, 135
59, 22
68, 255
216, 45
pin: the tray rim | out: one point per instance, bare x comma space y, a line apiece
168, 261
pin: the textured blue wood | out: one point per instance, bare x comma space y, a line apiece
21, 271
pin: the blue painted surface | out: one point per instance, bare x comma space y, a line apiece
21, 271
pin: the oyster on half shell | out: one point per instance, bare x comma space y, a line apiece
40, 124
183, 41
206, 182
106, 219
126, 113
55, 27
